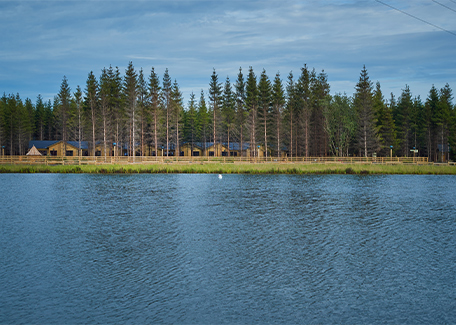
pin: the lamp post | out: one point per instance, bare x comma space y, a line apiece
162, 151
114, 144
3, 151
391, 152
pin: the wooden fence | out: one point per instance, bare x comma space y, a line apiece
64, 160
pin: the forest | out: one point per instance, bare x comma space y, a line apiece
296, 116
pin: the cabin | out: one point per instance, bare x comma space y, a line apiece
60, 148
189, 150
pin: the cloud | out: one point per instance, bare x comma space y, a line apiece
44, 40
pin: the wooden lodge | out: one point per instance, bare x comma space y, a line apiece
60, 148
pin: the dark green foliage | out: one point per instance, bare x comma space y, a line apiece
368, 142
303, 121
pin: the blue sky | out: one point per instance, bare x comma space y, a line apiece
41, 41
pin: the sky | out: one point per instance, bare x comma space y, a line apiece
410, 42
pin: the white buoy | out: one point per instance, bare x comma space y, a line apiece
220, 176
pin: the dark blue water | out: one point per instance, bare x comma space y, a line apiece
243, 249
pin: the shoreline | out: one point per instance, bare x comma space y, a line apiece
238, 168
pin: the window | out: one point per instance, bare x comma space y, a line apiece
181, 153
69, 153
196, 153
98, 153
53, 152
224, 153
233, 154
211, 154
153, 154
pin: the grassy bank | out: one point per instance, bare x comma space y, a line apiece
238, 168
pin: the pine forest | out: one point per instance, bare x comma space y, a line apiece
292, 115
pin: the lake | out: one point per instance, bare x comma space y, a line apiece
245, 249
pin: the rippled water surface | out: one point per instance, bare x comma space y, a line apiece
241, 249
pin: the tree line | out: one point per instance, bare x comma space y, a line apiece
296, 116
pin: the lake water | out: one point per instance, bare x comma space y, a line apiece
242, 249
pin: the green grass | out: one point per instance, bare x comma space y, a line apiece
237, 168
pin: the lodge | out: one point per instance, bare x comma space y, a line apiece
196, 149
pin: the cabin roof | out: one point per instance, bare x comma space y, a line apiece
45, 144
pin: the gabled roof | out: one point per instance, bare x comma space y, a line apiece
33, 152
39, 144
45, 144
84, 144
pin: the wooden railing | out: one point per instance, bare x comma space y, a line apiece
64, 160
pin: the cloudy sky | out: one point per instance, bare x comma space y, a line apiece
413, 43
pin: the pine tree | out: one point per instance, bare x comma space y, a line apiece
191, 125
131, 96
251, 103
278, 102
40, 119
385, 122
63, 113
215, 92
3, 103
177, 109
367, 133
143, 108
228, 111
402, 119
443, 116
301, 105
80, 117
264, 104
289, 114
432, 123
154, 98
319, 100
105, 107
166, 93
91, 101
241, 114
203, 118
117, 107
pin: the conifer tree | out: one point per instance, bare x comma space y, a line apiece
367, 133
228, 111
289, 118
63, 113
319, 100
385, 122
80, 117
215, 92
191, 125
3, 103
40, 118
143, 109
166, 93
264, 104
203, 120
131, 96
301, 105
431, 107
278, 102
154, 98
177, 109
241, 114
91, 100
117, 106
251, 103
402, 118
